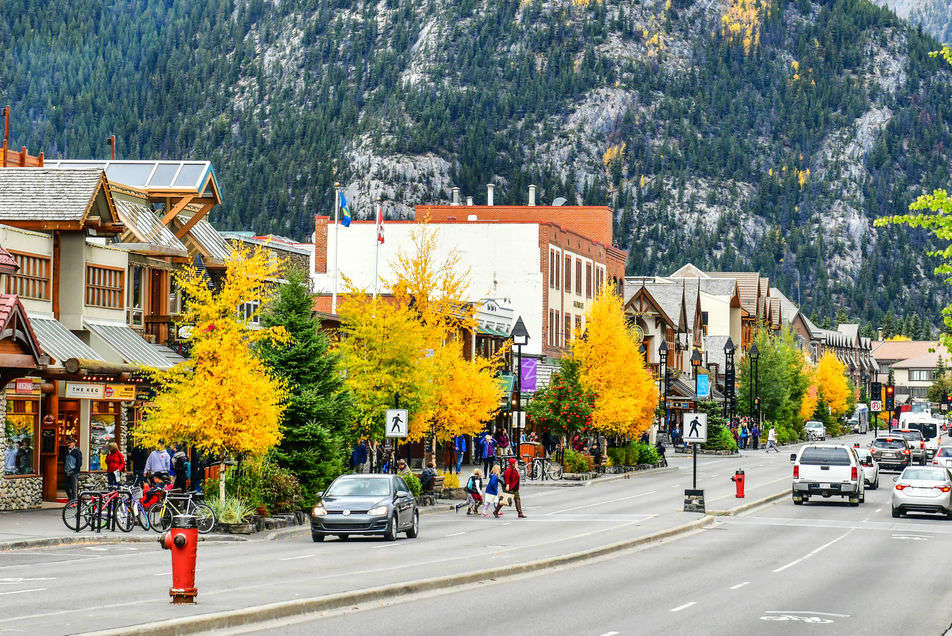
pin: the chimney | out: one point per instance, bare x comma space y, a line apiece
320, 243
532, 195
469, 201
455, 196
489, 193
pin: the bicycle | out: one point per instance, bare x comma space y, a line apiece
544, 468
98, 509
160, 515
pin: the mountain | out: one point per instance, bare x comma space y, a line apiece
734, 134
935, 16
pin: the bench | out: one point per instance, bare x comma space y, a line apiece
428, 496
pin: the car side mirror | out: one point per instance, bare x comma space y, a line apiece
793, 457
400, 494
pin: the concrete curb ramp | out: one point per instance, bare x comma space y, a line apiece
272, 611
747, 506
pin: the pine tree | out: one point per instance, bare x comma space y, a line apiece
317, 415
889, 325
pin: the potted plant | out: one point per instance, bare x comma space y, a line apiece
233, 515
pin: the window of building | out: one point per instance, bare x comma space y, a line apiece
32, 280
578, 324
249, 313
588, 280
103, 429
568, 274
568, 329
578, 277
104, 287
22, 421
557, 324
920, 375
555, 268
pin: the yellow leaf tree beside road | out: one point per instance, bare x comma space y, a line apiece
829, 378
612, 368
223, 400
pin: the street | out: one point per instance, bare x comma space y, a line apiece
82, 588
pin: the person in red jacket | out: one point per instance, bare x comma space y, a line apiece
511, 479
115, 464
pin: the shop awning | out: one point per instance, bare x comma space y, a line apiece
60, 342
489, 331
128, 345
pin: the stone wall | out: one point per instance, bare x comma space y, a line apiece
92, 481
17, 493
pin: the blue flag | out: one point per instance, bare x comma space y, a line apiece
345, 217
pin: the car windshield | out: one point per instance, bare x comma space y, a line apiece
911, 435
825, 456
814, 425
362, 487
889, 443
928, 430
945, 451
925, 474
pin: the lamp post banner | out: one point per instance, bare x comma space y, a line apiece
703, 385
529, 374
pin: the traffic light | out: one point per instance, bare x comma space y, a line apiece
890, 404
757, 405
875, 391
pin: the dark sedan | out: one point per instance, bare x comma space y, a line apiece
366, 504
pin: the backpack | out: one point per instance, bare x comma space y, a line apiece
70, 466
470, 485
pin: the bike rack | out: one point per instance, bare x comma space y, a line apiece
111, 506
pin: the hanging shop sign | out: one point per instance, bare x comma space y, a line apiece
85, 390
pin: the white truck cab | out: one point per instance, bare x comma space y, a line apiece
827, 470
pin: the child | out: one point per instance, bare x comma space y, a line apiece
492, 490
473, 488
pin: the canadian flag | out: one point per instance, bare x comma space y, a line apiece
380, 223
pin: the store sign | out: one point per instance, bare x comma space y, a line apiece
120, 392
26, 386
84, 390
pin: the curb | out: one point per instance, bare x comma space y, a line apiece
602, 480
272, 611
306, 527
94, 540
748, 506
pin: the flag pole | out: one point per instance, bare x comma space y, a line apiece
377, 248
336, 246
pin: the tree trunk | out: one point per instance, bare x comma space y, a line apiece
221, 482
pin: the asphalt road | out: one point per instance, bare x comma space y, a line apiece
83, 588
823, 568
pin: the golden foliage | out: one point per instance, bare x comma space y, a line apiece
614, 153
223, 399
802, 177
613, 369
899, 338
810, 397
741, 22
830, 381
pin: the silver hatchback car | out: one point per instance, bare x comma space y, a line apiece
923, 489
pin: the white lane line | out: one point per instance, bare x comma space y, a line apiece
455, 534
810, 554
35, 589
806, 612
162, 574
739, 585
295, 558
599, 503
685, 606
879, 509
610, 634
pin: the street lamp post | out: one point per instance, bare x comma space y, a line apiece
728, 376
520, 337
663, 368
754, 354
695, 364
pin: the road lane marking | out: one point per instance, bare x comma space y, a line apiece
685, 606
806, 612
162, 574
739, 585
610, 634
295, 558
35, 589
455, 534
810, 554
599, 503
879, 509
19, 579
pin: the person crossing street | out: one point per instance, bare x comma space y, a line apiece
511, 479
772, 440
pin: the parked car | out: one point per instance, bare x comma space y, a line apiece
870, 467
923, 489
891, 452
827, 470
943, 457
815, 430
917, 444
366, 505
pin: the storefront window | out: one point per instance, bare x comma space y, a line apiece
19, 457
103, 428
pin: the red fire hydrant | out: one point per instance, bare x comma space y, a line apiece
182, 540
738, 480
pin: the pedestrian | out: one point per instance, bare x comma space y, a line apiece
459, 445
25, 458
180, 466
381, 465
744, 434
502, 441
755, 436
771, 440
474, 486
488, 448
115, 464
402, 468
511, 478
71, 466
492, 492
138, 457
548, 442
428, 477
158, 462
358, 456
197, 470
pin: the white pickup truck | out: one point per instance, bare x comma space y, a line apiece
827, 470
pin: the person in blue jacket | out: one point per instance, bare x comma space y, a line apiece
359, 457
488, 445
460, 445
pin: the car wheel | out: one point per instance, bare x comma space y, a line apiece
317, 538
798, 501
391, 533
896, 513
875, 484
854, 501
414, 530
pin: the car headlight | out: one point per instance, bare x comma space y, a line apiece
379, 511
319, 510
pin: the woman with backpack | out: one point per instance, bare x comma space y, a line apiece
472, 489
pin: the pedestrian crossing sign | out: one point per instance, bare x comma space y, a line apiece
695, 428
397, 423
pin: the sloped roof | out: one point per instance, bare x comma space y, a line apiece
719, 286
714, 351
902, 350
60, 342
669, 298
10, 306
748, 284
47, 194
925, 361
788, 310
8, 264
210, 241
689, 271
145, 224
850, 329
129, 345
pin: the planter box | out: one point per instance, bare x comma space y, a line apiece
705, 451
453, 493
237, 528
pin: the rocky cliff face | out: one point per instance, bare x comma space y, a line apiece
935, 16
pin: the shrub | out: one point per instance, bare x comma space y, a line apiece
413, 482
632, 454
573, 461
617, 456
723, 440
231, 509
280, 489
450, 480
647, 454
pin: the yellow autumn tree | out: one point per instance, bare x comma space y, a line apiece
832, 386
810, 398
222, 400
612, 368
